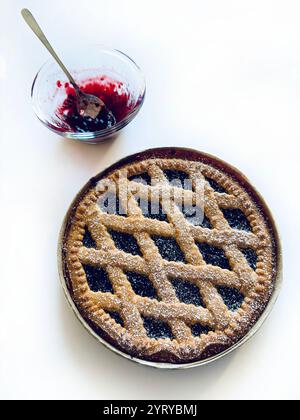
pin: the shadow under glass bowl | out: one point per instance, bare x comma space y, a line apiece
86, 63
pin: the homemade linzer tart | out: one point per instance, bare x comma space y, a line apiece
170, 256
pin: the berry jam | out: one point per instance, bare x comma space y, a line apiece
112, 92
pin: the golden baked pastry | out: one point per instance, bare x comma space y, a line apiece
170, 256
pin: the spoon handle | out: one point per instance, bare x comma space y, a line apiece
34, 26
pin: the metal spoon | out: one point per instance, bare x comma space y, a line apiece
87, 105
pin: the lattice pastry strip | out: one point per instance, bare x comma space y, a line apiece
119, 281
156, 268
185, 240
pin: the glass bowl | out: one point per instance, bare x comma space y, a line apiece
87, 63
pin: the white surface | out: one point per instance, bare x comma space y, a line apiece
222, 77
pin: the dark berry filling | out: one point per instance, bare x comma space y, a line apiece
251, 257
125, 242
198, 329
237, 219
79, 124
179, 179
142, 178
110, 203
196, 217
214, 256
88, 241
169, 249
152, 210
157, 329
98, 279
141, 285
217, 187
116, 316
232, 298
187, 292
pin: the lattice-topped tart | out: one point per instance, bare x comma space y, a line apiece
170, 256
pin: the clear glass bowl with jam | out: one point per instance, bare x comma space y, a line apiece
109, 74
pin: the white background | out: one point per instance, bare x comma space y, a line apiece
222, 77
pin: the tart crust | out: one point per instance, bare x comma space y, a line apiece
227, 327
